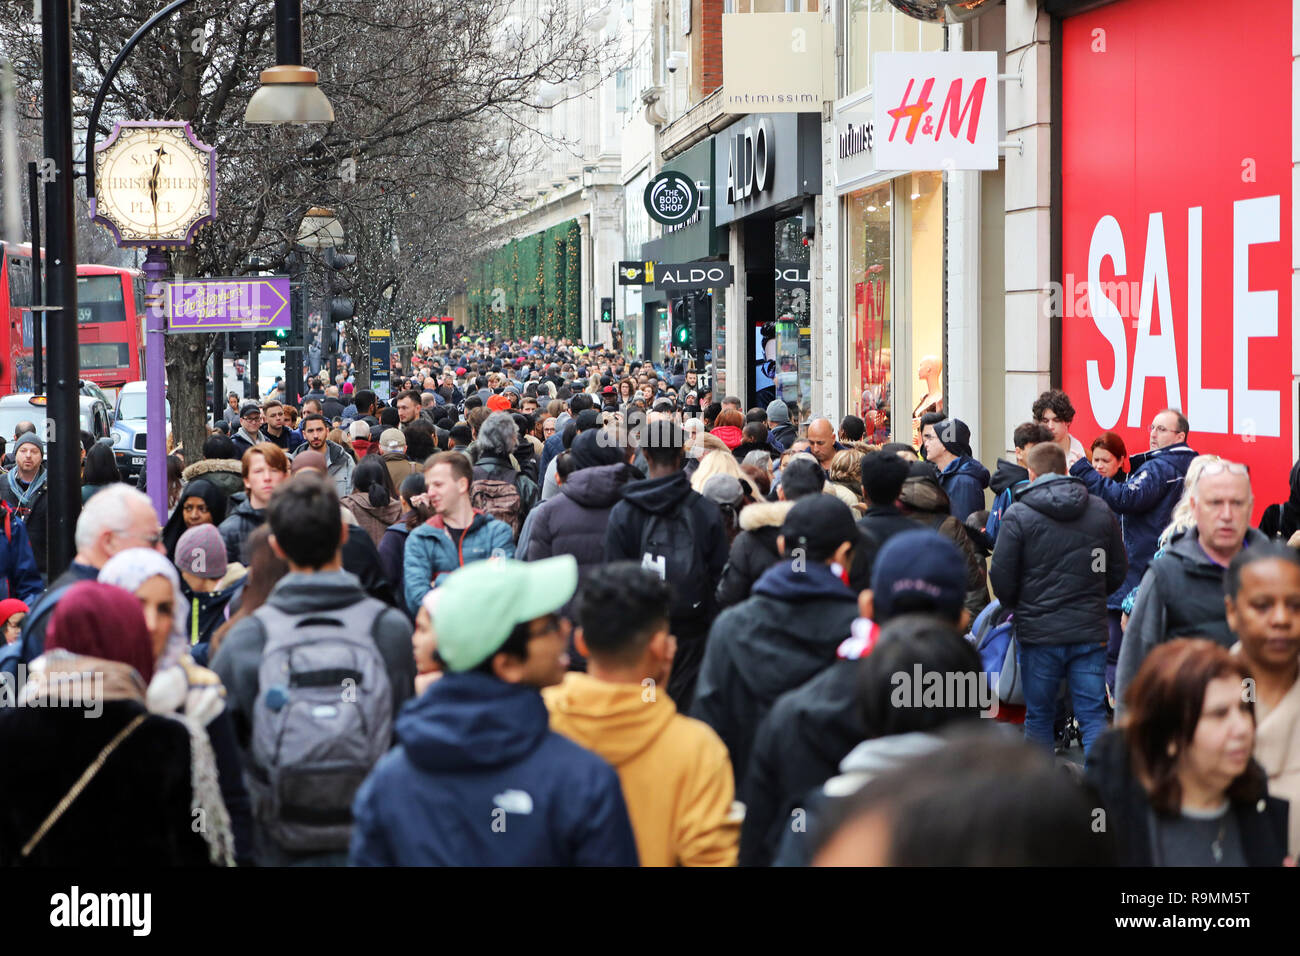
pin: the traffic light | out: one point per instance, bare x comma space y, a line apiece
341, 307
607, 309
682, 336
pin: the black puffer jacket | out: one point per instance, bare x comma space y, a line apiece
1059, 554
799, 745
753, 551
1261, 820
924, 500
239, 524
773, 642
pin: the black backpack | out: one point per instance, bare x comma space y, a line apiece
671, 548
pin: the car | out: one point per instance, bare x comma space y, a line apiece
129, 429
96, 416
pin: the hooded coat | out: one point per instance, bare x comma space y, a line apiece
1144, 503
1181, 596
338, 465
239, 524
478, 778
964, 480
1261, 823
782, 636
799, 744
925, 501
226, 473
1283, 520
373, 519
753, 551
1007, 480
675, 772
213, 497
206, 610
1045, 564
431, 552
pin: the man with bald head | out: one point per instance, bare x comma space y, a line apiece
821, 441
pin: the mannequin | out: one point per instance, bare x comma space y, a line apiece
929, 370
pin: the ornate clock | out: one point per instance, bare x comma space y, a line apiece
156, 184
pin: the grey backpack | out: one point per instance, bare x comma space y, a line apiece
322, 719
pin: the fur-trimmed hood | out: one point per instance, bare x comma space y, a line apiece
764, 514
209, 466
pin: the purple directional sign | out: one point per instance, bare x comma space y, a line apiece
244, 303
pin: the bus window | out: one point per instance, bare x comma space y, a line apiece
99, 299
104, 355
20, 282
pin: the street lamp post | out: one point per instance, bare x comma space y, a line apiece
63, 407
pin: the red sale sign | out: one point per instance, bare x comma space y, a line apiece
1177, 227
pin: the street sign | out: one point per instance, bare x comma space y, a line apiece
240, 304
671, 198
380, 361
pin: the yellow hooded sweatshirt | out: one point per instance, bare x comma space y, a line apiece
675, 771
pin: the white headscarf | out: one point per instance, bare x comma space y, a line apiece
131, 568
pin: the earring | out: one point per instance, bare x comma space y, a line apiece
1172, 749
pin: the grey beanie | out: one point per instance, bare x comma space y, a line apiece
30, 438
778, 412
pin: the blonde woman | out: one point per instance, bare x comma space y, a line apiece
846, 472
718, 461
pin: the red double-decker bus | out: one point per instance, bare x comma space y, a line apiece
110, 322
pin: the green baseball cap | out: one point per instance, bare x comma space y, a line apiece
480, 604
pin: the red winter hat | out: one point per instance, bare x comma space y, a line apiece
498, 403
9, 607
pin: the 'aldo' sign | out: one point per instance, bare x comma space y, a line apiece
693, 275
936, 110
1176, 275
749, 161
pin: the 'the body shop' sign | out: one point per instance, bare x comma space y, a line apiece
1176, 236
936, 110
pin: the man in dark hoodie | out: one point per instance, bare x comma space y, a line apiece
883, 475
811, 729
923, 500
307, 531
755, 549
784, 634
1058, 555
478, 778
946, 442
1012, 477
669, 528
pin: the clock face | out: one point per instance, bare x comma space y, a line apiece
153, 184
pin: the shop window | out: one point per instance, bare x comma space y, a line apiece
791, 332
925, 208
873, 26
870, 309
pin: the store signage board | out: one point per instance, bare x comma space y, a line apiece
636, 273
235, 304
671, 276
777, 62
936, 111
671, 198
380, 361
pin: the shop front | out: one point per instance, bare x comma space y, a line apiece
892, 293
1177, 271
695, 240
766, 167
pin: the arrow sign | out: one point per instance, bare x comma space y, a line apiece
229, 304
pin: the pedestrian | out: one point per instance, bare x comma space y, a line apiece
946, 443
24, 490
338, 463
392, 547
265, 467
883, 475
12, 614
925, 502
249, 432
373, 500
821, 441
477, 777
1181, 595
786, 632
779, 424
230, 414
674, 770
180, 686
500, 488
1055, 412
208, 582
1108, 456
276, 428
666, 526
98, 470
200, 502
220, 465
812, 728
392, 452
456, 534
304, 767
359, 435
1012, 477
1058, 555
116, 519
1282, 520
115, 791
1177, 781
1263, 608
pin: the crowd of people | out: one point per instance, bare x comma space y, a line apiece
547, 605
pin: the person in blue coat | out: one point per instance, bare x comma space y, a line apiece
1146, 500
477, 777
18, 568
946, 442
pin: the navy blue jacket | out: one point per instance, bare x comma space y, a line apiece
965, 480
18, 563
1144, 503
479, 779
